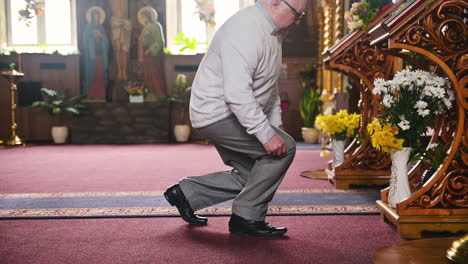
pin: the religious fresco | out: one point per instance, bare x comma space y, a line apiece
121, 29
95, 54
151, 49
122, 42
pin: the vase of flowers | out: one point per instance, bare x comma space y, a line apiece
136, 92
399, 183
339, 127
410, 104
360, 14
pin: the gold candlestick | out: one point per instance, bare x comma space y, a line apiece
12, 75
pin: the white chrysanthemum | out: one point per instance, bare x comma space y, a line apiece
432, 146
401, 81
377, 90
404, 125
438, 92
421, 74
379, 82
447, 103
403, 74
394, 86
420, 105
388, 100
439, 80
379, 86
423, 112
451, 95
427, 90
448, 84
420, 81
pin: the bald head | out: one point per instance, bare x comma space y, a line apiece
284, 13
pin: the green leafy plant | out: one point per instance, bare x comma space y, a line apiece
180, 96
57, 103
310, 105
43, 47
186, 42
308, 74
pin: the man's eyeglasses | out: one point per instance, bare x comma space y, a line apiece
297, 14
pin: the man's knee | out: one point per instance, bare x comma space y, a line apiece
290, 143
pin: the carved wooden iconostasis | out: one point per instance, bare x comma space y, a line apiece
436, 33
427, 35
354, 57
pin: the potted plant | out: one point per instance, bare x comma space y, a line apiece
310, 104
58, 104
179, 98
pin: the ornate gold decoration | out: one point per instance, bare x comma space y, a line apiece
458, 252
99, 10
327, 94
337, 77
150, 10
12, 75
320, 46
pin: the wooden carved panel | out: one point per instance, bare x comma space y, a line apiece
441, 35
363, 63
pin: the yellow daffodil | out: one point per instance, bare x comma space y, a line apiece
339, 125
383, 137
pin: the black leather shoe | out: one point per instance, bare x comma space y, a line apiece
176, 197
241, 225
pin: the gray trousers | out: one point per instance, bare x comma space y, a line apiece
254, 178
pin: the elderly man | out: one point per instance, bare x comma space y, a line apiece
235, 104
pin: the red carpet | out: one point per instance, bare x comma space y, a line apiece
311, 239
106, 168
337, 239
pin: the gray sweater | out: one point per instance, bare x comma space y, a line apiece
239, 75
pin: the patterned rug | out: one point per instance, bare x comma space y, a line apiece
153, 204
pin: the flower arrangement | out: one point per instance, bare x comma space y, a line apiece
32, 8
206, 12
383, 137
360, 14
340, 125
135, 88
410, 102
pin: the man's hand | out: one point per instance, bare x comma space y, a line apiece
275, 146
